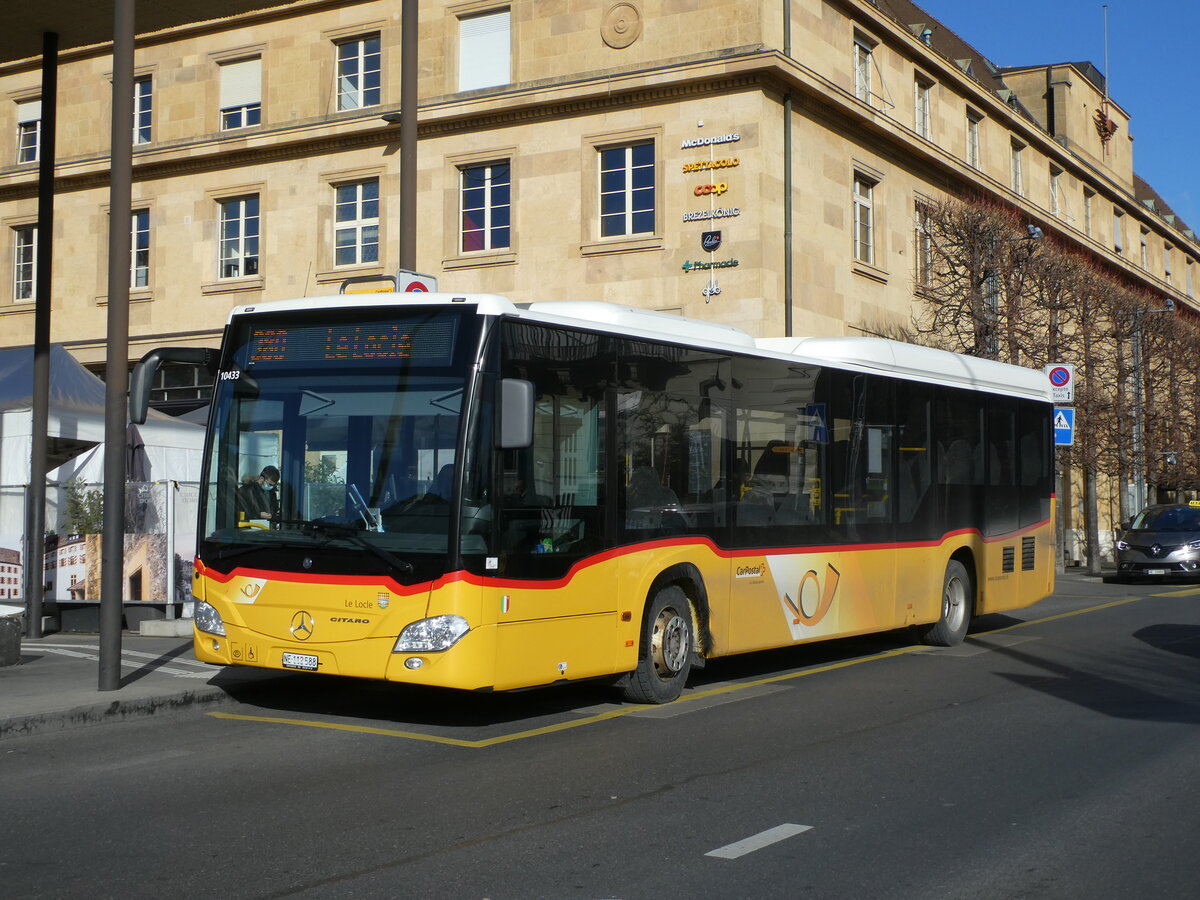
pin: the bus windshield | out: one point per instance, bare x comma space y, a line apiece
337, 433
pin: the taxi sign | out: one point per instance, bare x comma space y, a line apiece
1062, 382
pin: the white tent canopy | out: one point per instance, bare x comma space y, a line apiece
173, 449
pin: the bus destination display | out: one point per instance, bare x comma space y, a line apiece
429, 341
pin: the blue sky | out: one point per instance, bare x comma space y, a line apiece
1152, 69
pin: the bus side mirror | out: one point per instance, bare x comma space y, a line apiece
516, 413
142, 377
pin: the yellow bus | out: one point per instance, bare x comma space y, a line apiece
462, 491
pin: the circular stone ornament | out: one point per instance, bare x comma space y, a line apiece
622, 25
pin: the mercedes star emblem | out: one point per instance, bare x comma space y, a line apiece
302, 625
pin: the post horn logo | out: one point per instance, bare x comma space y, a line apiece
302, 625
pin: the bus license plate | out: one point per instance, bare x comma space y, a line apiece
306, 661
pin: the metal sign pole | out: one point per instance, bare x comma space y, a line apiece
116, 380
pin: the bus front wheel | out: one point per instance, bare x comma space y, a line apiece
957, 596
665, 655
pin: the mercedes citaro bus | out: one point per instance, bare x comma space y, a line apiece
487, 495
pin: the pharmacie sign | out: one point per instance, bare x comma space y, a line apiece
696, 265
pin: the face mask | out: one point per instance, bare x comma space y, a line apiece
268, 486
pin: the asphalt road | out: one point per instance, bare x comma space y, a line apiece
1053, 755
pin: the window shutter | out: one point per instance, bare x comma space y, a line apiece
29, 111
484, 50
241, 83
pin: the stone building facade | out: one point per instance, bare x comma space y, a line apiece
760, 164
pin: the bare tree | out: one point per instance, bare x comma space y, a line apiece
966, 256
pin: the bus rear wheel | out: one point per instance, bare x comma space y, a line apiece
957, 595
665, 655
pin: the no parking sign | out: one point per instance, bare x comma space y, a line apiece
410, 282
1062, 381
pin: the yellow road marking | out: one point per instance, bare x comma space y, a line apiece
1066, 615
626, 710
1183, 593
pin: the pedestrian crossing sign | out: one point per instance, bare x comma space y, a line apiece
1064, 426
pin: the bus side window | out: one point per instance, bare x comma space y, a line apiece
781, 434
915, 502
552, 492
671, 430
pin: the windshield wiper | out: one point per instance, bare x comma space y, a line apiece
313, 527
232, 550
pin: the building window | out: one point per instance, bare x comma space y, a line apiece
922, 92
1167, 262
627, 189
143, 105
1016, 168
1056, 190
484, 50
973, 120
1118, 231
24, 262
864, 219
486, 207
29, 130
139, 249
1191, 283
923, 273
862, 69
241, 94
1144, 253
356, 223
1089, 198
239, 237
358, 73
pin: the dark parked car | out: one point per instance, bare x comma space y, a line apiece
1160, 541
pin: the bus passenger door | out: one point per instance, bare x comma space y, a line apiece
863, 473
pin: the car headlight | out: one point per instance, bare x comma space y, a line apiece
207, 618
431, 635
1193, 545
1122, 545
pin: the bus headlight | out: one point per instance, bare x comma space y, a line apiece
207, 618
431, 635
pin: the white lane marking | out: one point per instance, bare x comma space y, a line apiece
758, 841
175, 661
129, 664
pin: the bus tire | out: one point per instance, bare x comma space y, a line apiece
957, 597
665, 654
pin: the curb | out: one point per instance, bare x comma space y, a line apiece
117, 710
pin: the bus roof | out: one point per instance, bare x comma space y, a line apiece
915, 362
859, 353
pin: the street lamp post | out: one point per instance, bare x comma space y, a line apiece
407, 120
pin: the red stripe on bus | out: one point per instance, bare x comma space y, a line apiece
598, 559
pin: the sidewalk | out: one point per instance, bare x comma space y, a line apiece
54, 686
